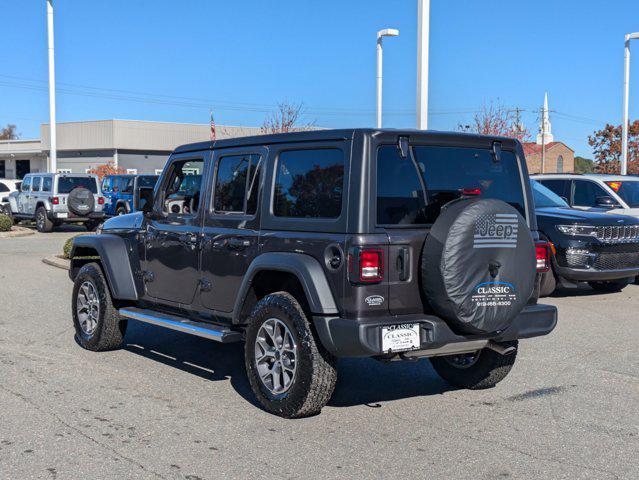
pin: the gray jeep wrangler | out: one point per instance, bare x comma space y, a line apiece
311, 246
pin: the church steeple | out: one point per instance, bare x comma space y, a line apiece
545, 127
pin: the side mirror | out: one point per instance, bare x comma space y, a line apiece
606, 202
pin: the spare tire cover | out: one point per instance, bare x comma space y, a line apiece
81, 201
478, 265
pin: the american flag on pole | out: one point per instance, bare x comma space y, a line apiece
212, 127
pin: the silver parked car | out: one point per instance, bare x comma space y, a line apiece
55, 198
6, 188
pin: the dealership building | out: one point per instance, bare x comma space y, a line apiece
134, 146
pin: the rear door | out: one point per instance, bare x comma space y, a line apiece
231, 225
36, 187
172, 237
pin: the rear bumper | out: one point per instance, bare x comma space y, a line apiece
71, 218
362, 337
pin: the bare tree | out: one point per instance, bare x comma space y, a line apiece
286, 119
10, 132
495, 119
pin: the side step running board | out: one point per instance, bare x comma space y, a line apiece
219, 333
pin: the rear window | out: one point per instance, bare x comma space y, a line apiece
447, 173
66, 184
309, 183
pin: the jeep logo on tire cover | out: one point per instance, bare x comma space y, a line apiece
496, 230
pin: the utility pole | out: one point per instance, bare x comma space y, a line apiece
518, 124
423, 33
387, 32
53, 160
626, 83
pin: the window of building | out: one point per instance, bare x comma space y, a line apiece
236, 175
309, 183
37, 182
400, 194
2, 169
47, 182
64, 170
182, 191
560, 164
132, 171
586, 193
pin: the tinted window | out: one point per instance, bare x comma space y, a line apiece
106, 184
544, 197
627, 190
37, 181
586, 193
182, 192
147, 182
309, 183
26, 184
235, 176
451, 172
46, 184
400, 195
66, 184
3, 188
127, 184
560, 187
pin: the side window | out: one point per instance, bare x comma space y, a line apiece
237, 175
400, 195
127, 184
586, 193
309, 183
3, 188
560, 187
26, 184
47, 182
106, 184
37, 181
181, 195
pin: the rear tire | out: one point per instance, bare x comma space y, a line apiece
91, 225
485, 370
290, 372
610, 286
43, 224
98, 326
548, 283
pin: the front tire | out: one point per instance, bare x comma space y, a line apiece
43, 224
98, 326
479, 370
290, 372
610, 286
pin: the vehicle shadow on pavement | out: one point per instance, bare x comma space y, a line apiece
360, 381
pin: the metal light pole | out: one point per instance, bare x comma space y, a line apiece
388, 32
626, 86
53, 163
423, 33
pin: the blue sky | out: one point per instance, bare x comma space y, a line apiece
169, 61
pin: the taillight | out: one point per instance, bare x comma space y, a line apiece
100, 200
55, 201
471, 191
371, 265
542, 251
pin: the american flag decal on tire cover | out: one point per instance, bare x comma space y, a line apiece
496, 230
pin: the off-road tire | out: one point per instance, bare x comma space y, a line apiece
548, 283
316, 368
489, 369
43, 224
110, 330
610, 286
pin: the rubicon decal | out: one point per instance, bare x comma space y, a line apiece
496, 230
494, 294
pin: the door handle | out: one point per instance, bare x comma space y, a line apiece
238, 243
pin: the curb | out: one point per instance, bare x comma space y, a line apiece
57, 262
17, 233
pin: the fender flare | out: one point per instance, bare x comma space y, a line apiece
115, 261
307, 270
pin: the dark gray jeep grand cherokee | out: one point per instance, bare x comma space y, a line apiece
309, 246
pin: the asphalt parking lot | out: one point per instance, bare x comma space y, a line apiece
171, 406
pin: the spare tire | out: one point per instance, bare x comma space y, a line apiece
81, 201
478, 265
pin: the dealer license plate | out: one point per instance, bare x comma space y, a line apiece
398, 338
62, 215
